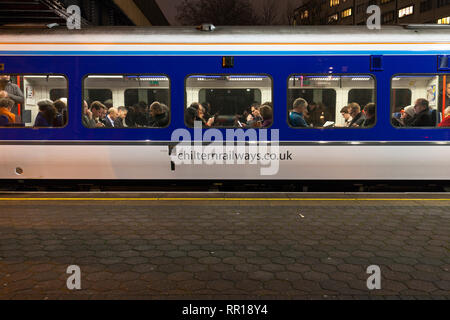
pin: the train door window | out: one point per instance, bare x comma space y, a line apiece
331, 101
32, 100
131, 101
229, 101
420, 101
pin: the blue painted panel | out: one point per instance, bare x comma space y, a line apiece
178, 67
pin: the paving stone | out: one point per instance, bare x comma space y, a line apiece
198, 250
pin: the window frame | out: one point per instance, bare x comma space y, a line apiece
24, 95
339, 75
391, 99
128, 74
229, 74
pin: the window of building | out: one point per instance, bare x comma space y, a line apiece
426, 5
441, 3
445, 20
33, 100
333, 18
229, 101
407, 11
126, 101
327, 96
388, 17
420, 101
334, 3
346, 13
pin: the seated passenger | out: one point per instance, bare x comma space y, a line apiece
141, 115
267, 115
158, 117
370, 114
316, 114
86, 117
206, 122
120, 121
345, 112
189, 116
6, 105
61, 115
422, 115
296, 116
111, 118
47, 114
356, 114
446, 121
255, 116
96, 113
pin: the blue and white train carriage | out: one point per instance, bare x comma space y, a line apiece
231, 68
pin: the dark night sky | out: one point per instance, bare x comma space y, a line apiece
170, 11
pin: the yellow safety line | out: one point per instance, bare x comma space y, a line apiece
218, 199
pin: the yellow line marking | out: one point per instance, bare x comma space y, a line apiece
219, 199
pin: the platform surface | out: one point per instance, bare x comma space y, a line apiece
224, 245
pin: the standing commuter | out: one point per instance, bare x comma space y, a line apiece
10, 90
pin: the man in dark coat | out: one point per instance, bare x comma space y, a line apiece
422, 115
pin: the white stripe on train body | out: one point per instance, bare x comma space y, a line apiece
240, 39
351, 162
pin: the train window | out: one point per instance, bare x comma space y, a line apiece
331, 101
420, 101
131, 101
33, 101
229, 101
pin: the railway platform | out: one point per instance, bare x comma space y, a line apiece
161, 245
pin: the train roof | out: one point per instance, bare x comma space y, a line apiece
230, 34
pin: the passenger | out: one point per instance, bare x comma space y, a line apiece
206, 122
158, 117
97, 111
142, 115
207, 109
370, 115
86, 117
346, 115
267, 115
316, 114
104, 113
296, 116
112, 116
190, 115
268, 103
422, 115
108, 104
356, 114
120, 121
446, 121
400, 119
447, 95
255, 120
6, 105
47, 114
10, 90
61, 115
